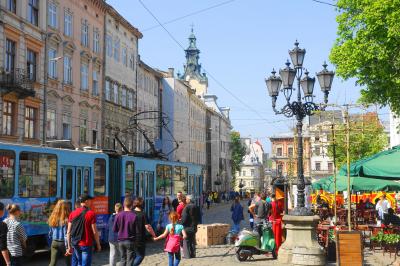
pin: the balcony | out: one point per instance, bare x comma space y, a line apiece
18, 82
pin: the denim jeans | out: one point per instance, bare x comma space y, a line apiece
82, 256
236, 227
140, 252
171, 256
127, 251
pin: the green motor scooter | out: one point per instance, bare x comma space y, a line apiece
248, 243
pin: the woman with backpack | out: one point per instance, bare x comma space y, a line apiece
173, 233
58, 222
16, 236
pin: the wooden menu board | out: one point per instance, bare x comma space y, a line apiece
349, 248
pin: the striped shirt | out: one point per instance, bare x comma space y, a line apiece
16, 236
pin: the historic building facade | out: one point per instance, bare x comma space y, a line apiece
197, 129
120, 86
22, 45
74, 68
251, 174
148, 107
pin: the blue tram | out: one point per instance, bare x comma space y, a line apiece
35, 177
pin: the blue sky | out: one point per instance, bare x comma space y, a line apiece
240, 43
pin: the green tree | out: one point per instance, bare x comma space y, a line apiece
366, 139
368, 48
238, 152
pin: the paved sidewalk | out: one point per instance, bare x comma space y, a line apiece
221, 255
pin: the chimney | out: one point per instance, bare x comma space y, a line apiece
171, 72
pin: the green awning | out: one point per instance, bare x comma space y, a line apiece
357, 183
383, 165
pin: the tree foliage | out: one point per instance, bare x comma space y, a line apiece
368, 48
238, 151
366, 139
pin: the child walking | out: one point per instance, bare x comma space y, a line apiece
173, 233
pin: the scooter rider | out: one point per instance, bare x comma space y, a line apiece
259, 211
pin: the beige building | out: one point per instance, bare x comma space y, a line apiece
148, 107
75, 70
197, 129
120, 88
251, 174
22, 34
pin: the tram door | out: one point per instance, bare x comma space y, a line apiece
144, 185
75, 181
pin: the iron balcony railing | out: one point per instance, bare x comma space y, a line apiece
18, 81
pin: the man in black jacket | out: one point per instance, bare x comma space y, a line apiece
178, 198
190, 220
5, 257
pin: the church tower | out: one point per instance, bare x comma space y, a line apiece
192, 68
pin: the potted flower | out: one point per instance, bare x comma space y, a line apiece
376, 240
391, 242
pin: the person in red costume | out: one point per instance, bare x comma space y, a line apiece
276, 219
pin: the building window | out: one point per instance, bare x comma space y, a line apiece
33, 12
96, 41
130, 99
12, 6
317, 150
109, 47
66, 126
252, 173
116, 98
85, 34
244, 173
8, 118
84, 77
132, 62
30, 122
290, 151
10, 56
116, 49
68, 29
279, 151
124, 57
95, 86
51, 124
52, 15
123, 97
316, 138
31, 65
330, 166
108, 90
52, 63
280, 169
83, 130
67, 69
318, 166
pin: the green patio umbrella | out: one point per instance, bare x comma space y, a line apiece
383, 165
357, 183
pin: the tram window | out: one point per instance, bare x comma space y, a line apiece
99, 177
7, 160
86, 183
68, 182
38, 175
78, 182
129, 177
180, 180
150, 184
164, 180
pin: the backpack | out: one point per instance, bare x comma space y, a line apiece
78, 227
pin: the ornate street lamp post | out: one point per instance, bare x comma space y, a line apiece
300, 107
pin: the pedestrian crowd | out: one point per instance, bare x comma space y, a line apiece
74, 235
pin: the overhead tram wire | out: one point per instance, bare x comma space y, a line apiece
325, 3
189, 15
208, 73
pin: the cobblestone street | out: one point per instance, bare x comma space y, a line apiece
221, 255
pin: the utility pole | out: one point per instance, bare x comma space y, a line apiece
347, 121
